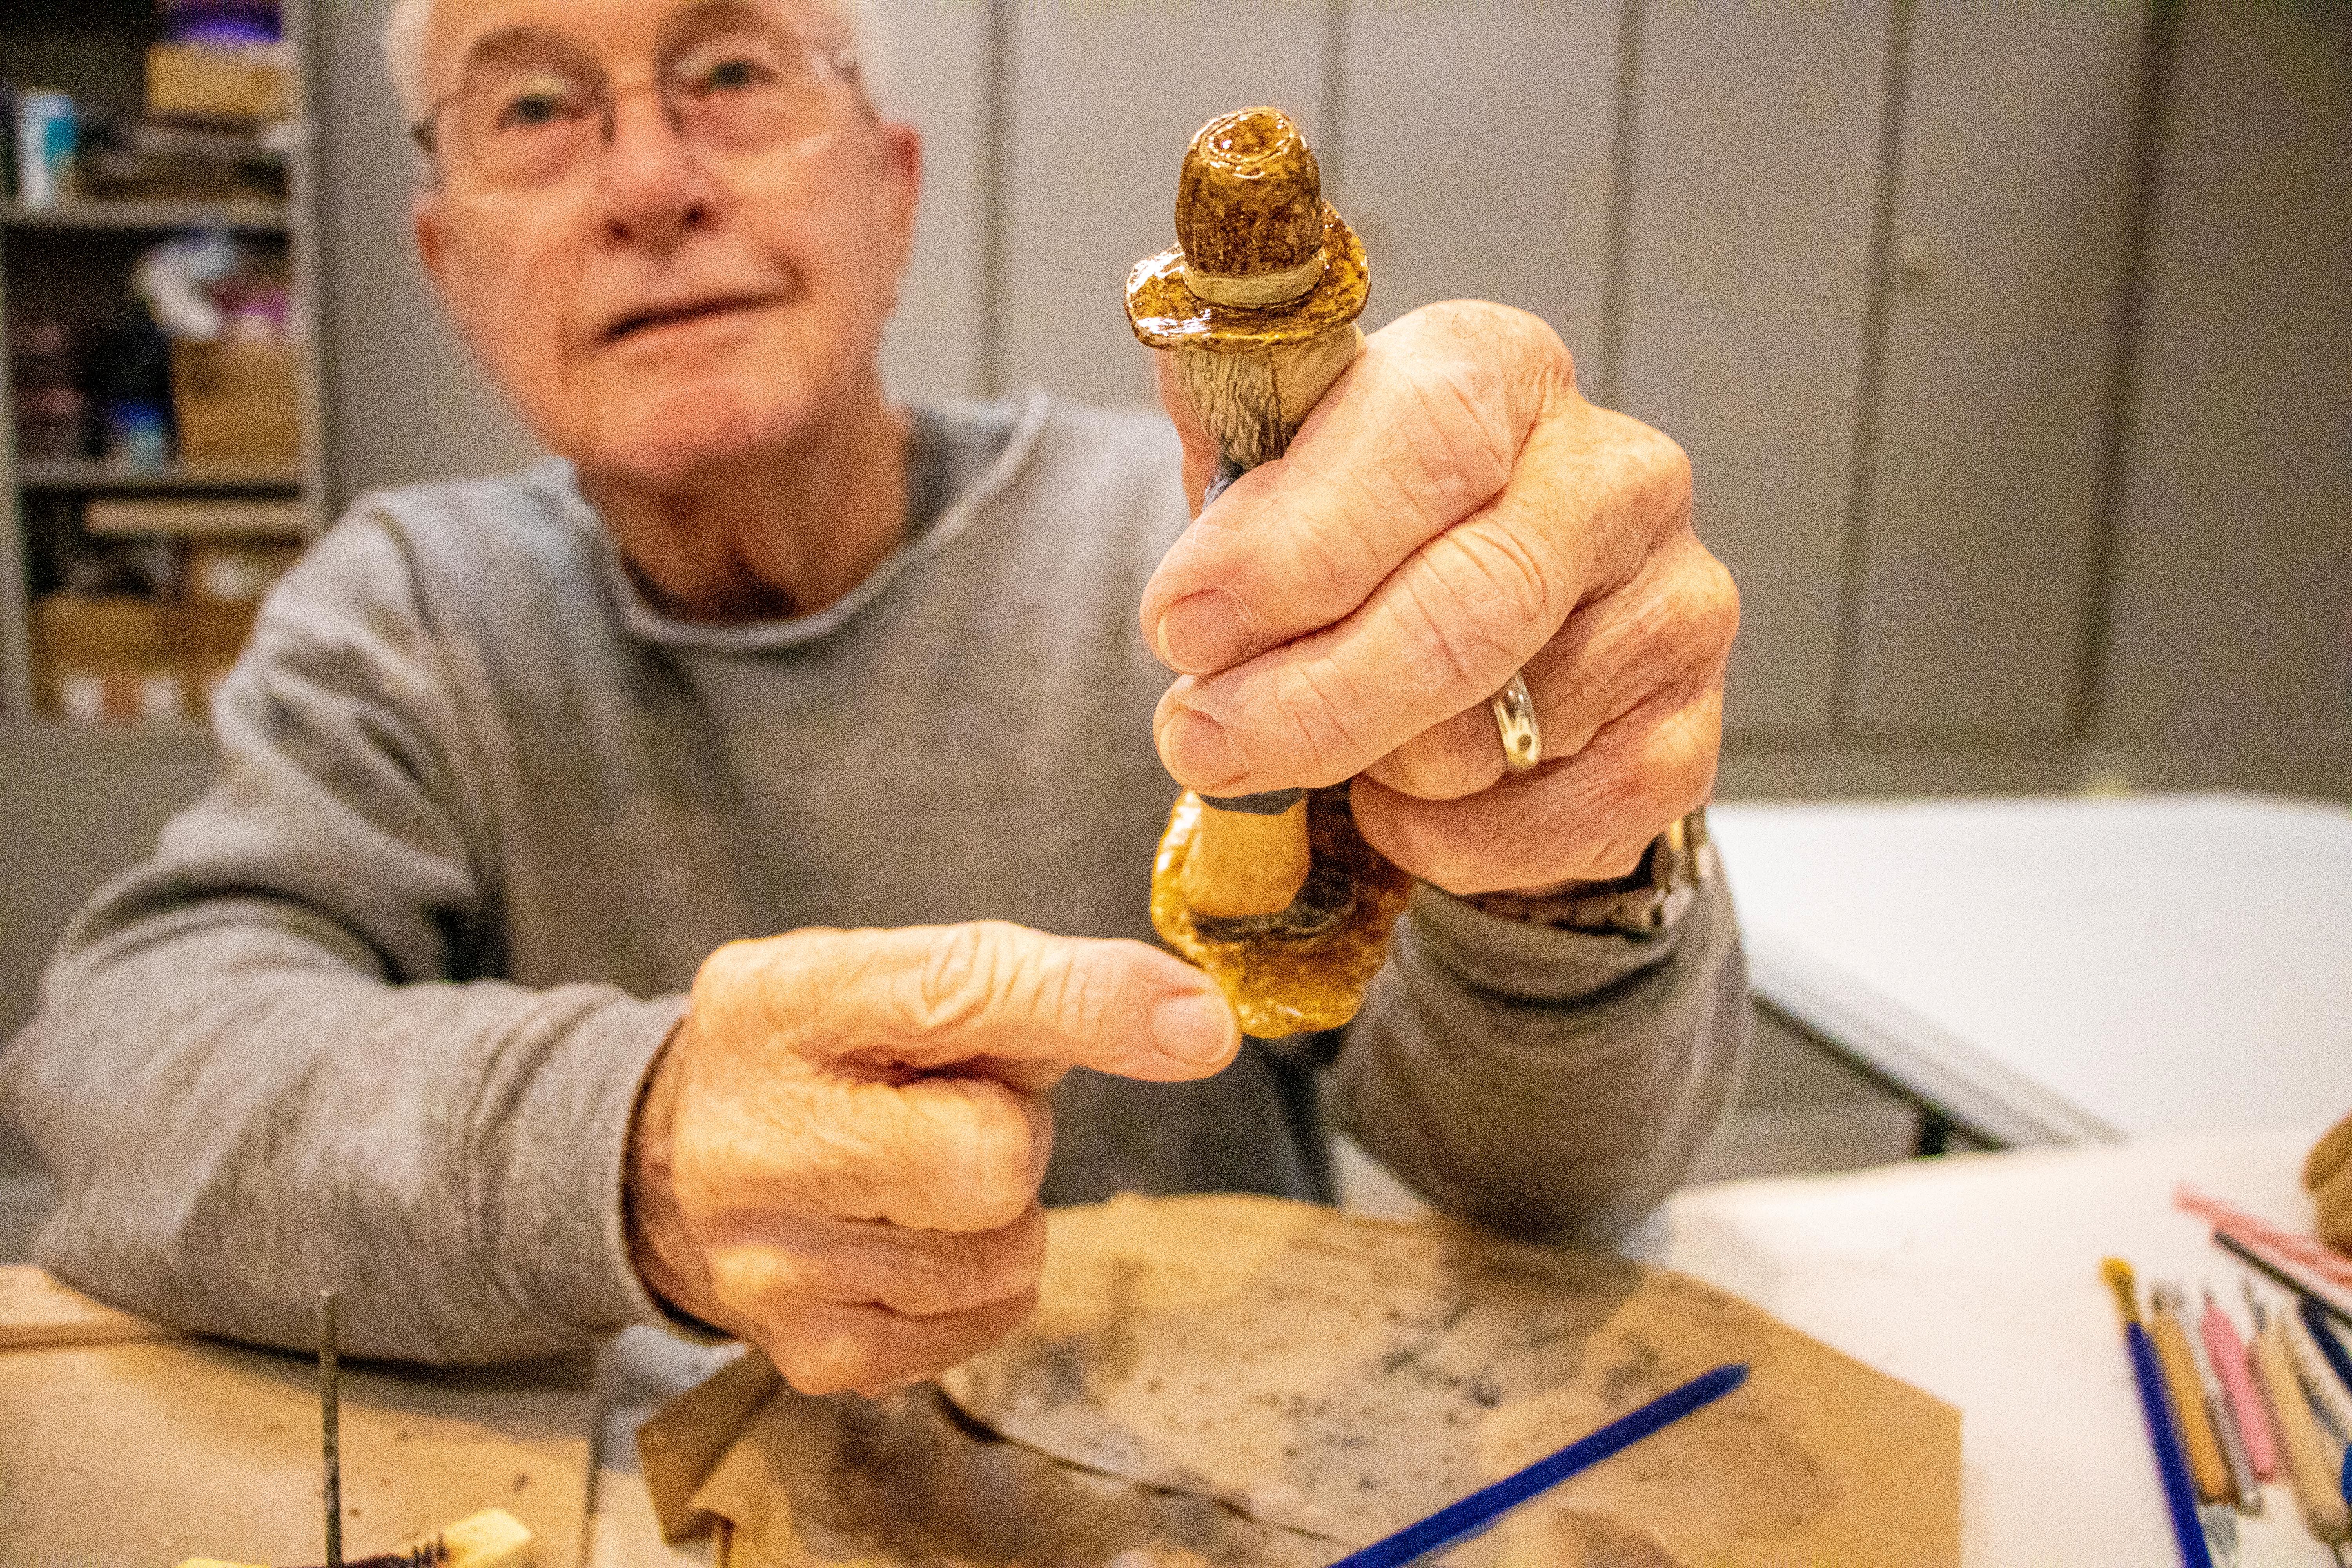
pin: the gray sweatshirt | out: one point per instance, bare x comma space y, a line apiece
376, 1012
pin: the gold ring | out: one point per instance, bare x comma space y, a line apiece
1514, 716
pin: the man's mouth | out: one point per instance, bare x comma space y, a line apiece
679, 315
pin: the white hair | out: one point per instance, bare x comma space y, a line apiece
406, 28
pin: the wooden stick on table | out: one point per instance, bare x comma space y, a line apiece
38, 1311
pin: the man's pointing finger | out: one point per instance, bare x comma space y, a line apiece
927, 997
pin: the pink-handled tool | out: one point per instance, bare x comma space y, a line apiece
2228, 1353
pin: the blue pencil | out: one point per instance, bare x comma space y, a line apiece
1459, 1522
2179, 1496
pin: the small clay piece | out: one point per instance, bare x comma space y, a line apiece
1275, 895
492, 1538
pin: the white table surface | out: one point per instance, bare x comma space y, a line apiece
1976, 1277
2056, 971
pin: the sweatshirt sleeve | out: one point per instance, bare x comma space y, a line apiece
276, 1058
1553, 1085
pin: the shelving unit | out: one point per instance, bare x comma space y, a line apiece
192, 478
73, 260
239, 217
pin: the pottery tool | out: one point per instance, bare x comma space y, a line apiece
2331, 1348
2304, 1250
2315, 1474
331, 1421
2233, 1442
1275, 895
2286, 1274
1457, 1523
2330, 1400
490, 1538
2172, 1469
2228, 1353
2198, 1444
2247, 1492
2208, 1468
2302, 1262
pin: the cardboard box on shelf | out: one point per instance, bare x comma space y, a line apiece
221, 596
234, 401
241, 84
127, 656
235, 575
211, 636
107, 659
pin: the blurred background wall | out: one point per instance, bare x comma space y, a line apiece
2012, 343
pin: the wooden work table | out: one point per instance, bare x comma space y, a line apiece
1974, 1278
151, 1447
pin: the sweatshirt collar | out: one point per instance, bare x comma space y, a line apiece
647, 623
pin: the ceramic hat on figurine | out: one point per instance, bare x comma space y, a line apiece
1260, 257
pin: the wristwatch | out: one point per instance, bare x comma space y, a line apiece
1644, 903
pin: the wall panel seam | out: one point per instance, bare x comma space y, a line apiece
1879, 291
1330, 137
15, 562
994, 172
1607, 386
2159, 47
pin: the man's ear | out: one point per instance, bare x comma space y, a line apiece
425, 219
902, 157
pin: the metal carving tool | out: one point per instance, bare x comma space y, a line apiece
491, 1538
330, 1420
2285, 1273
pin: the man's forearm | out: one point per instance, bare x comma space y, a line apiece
238, 1116
1554, 1085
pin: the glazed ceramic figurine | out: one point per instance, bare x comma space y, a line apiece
1275, 895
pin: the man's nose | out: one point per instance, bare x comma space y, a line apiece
656, 186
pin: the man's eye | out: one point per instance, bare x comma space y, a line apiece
530, 110
731, 76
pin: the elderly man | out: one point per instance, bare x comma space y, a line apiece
461, 989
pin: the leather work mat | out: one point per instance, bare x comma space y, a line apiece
1254, 1382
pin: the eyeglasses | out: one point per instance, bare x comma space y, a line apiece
535, 108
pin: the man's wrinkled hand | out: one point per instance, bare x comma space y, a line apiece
1452, 510
838, 1153
2327, 1176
